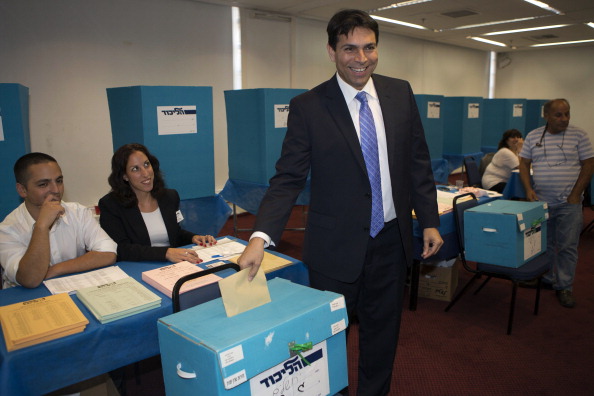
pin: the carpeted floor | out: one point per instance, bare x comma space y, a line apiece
466, 351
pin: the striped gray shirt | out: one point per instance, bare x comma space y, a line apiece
556, 161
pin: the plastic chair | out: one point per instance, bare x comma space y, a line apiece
472, 172
485, 161
533, 269
199, 295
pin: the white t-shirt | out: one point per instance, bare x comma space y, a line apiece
156, 228
499, 170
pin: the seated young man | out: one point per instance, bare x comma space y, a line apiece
45, 237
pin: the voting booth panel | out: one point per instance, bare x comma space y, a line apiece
534, 114
462, 124
506, 233
431, 117
14, 140
256, 127
176, 125
204, 352
499, 115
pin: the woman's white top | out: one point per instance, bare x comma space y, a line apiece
156, 228
499, 170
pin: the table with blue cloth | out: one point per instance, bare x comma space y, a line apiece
449, 250
455, 161
100, 348
204, 215
514, 187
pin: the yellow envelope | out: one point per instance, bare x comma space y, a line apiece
240, 295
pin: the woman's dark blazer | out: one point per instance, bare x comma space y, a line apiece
126, 227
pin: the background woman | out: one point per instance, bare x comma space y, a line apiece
504, 161
141, 215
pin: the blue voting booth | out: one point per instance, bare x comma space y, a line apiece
430, 110
462, 123
534, 114
14, 140
176, 124
499, 115
256, 127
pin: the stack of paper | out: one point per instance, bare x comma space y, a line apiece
118, 299
70, 284
164, 278
43, 319
224, 249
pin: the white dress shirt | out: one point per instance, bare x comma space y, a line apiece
71, 236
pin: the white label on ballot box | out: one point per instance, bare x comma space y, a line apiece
532, 242
232, 355
294, 378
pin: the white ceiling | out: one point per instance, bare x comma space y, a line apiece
576, 13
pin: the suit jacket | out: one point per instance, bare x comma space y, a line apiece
321, 138
126, 227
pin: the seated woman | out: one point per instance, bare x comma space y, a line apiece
504, 161
141, 215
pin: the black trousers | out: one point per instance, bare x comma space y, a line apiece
375, 299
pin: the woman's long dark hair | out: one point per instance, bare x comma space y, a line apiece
506, 135
120, 188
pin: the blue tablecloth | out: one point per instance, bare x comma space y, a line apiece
514, 187
248, 195
55, 364
447, 230
457, 160
206, 215
440, 170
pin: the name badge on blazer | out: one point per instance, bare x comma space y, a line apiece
179, 216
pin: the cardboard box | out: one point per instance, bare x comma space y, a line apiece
438, 280
206, 353
506, 233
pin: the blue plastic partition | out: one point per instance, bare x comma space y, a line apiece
534, 114
500, 115
160, 117
14, 140
430, 109
462, 124
256, 127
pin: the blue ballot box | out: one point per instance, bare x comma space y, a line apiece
176, 124
14, 140
506, 233
204, 352
256, 128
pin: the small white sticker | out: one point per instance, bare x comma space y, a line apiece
473, 110
231, 356
520, 216
338, 326
179, 216
433, 109
281, 115
518, 110
337, 304
236, 379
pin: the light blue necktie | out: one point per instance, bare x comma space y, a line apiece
370, 154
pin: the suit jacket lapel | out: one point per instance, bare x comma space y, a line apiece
339, 111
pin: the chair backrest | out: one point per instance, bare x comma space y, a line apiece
485, 162
199, 295
462, 203
472, 171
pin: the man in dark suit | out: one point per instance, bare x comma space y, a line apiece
345, 248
